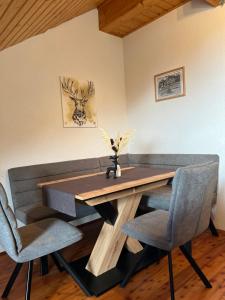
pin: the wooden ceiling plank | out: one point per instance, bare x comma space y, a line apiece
13, 9
164, 4
65, 15
18, 19
30, 22
79, 7
56, 17
40, 19
24, 23
213, 2
4, 6
25, 18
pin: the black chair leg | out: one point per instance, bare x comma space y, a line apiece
195, 267
188, 247
12, 280
170, 265
60, 268
134, 267
44, 265
71, 272
213, 228
29, 280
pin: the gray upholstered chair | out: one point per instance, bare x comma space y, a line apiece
34, 241
188, 216
160, 199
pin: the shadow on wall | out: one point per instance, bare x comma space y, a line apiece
193, 7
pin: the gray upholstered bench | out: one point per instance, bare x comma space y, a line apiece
28, 199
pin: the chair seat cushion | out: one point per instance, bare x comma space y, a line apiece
150, 228
158, 198
46, 236
35, 212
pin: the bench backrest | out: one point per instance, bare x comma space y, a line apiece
170, 160
24, 180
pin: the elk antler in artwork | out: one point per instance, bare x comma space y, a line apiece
80, 98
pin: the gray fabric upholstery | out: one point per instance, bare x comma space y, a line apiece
171, 160
35, 240
46, 236
191, 201
28, 198
158, 198
34, 212
150, 228
189, 213
10, 217
7, 240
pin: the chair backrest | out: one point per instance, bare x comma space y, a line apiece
9, 236
191, 201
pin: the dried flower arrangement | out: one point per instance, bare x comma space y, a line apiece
116, 145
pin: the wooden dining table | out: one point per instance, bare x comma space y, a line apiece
117, 201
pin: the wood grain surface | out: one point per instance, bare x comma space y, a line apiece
88, 187
151, 283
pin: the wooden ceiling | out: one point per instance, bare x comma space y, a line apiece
22, 19
119, 17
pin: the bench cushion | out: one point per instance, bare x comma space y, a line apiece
35, 212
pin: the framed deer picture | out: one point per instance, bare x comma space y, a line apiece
78, 103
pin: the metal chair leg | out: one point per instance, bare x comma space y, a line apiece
60, 268
12, 280
213, 228
72, 273
134, 267
29, 280
195, 267
188, 247
170, 265
44, 265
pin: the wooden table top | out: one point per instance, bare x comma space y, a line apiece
96, 185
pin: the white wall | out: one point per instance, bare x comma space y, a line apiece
31, 127
192, 36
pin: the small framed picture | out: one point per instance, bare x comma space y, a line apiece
169, 85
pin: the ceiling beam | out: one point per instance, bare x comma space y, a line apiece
213, 2
121, 17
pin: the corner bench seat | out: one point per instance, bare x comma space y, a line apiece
28, 199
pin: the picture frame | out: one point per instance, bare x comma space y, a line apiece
170, 84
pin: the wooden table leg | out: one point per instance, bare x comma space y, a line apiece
133, 245
111, 239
